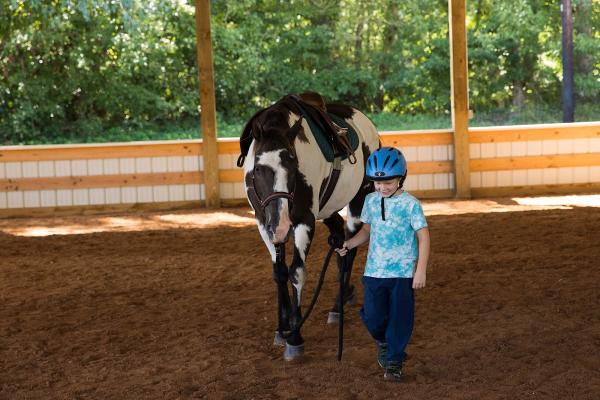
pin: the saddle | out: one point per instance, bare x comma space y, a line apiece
336, 138
341, 137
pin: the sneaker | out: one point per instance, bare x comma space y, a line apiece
382, 354
393, 371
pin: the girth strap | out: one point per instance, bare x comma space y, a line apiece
329, 185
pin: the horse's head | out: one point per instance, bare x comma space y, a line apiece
271, 170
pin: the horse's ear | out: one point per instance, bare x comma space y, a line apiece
248, 134
294, 130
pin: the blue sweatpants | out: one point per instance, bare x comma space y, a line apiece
388, 313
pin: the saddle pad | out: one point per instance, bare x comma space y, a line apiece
321, 137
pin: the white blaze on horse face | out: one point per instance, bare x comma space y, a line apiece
272, 159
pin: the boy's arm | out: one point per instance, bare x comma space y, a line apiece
420, 276
361, 237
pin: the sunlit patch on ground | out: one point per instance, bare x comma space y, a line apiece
74, 225
450, 207
238, 217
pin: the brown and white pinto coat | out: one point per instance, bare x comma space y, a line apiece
284, 173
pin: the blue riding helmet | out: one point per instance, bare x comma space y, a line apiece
386, 163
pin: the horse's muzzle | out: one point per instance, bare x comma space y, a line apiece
279, 234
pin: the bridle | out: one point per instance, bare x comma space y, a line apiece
271, 196
274, 195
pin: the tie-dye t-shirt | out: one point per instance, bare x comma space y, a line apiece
393, 245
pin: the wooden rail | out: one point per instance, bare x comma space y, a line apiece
151, 167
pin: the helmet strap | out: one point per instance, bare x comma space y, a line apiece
401, 183
383, 200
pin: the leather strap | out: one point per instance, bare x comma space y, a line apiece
329, 185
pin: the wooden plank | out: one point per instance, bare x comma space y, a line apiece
229, 146
459, 95
535, 162
167, 178
208, 110
416, 138
430, 167
100, 181
114, 150
99, 151
535, 190
231, 175
414, 168
433, 194
520, 133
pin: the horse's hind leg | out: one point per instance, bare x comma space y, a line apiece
335, 223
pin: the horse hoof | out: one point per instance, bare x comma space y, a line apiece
293, 352
279, 338
333, 317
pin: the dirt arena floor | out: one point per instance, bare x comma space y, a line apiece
181, 305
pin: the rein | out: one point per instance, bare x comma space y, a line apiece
333, 244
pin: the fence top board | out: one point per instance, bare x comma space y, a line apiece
516, 133
193, 147
170, 147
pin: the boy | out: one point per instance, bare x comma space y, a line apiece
398, 237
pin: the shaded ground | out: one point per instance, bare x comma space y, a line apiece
180, 310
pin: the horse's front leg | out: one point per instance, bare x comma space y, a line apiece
303, 235
280, 277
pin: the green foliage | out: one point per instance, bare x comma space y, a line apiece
100, 70
76, 69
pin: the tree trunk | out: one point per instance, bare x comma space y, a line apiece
584, 64
567, 60
518, 97
389, 35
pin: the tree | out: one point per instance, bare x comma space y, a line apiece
567, 61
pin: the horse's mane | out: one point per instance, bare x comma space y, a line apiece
280, 112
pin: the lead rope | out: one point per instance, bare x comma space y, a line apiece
341, 297
333, 244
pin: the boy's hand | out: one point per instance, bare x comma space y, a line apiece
342, 250
419, 279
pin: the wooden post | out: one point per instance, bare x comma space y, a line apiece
208, 112
460, 96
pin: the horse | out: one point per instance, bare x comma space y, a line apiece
290, 183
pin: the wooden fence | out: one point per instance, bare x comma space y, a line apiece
504, 161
